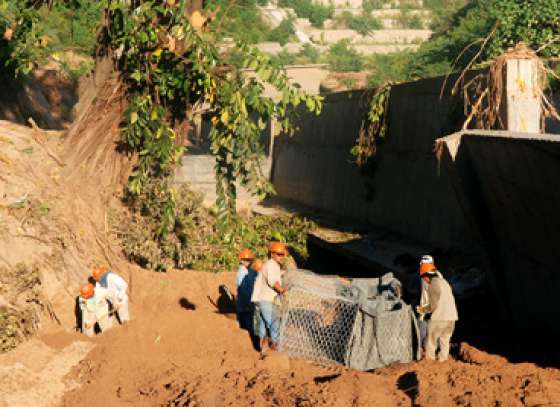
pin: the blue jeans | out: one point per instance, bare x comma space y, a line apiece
269, 322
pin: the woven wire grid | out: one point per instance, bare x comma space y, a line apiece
316, 327
393, 331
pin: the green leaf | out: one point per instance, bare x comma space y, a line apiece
310, 103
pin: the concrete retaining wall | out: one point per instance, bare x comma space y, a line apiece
404, 191
507, 184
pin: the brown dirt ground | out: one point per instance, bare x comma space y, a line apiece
171, 354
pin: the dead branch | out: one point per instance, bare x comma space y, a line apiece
35, 133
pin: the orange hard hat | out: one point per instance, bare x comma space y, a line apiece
257, 265
246, 254
98, 272
278, 248
427, 268
86, 291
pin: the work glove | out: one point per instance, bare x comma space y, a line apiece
422, 310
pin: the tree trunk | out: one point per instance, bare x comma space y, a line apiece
195, 5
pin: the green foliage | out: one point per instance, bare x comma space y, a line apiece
363, 24
194, 241
388, 68
316, 13
309, 54
407, 19
442, 12
369, 5
284, 58
170, 70
239, 19
504, 22
348, 83
459, 37
374, 127
40, 30
283, 33
86, 21
24, 47
343, 58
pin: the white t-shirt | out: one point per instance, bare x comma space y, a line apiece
269, 275
117, 288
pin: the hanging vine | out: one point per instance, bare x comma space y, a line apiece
374, 126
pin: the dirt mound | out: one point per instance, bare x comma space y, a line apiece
35, 373
180, 350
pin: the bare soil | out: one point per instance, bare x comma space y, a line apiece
181, 350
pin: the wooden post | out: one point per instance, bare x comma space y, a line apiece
522, 101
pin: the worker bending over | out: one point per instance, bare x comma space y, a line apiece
441, 306
117, 289
94, 308
267, 287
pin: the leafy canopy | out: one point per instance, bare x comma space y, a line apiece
174, 71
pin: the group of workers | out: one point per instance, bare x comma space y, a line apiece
99, 302
259, 286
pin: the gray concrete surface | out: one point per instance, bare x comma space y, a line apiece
404, 191
509, 190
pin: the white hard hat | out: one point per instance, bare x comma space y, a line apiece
426, 259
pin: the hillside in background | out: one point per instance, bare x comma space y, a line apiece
362, 41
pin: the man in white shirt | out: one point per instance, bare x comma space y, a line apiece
94, 308
443, 310
117, 288
268, 286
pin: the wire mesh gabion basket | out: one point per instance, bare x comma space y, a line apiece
329, 321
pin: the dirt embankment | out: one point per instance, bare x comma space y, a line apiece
58, 191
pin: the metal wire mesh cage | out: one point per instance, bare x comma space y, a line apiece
316, 327
358, 324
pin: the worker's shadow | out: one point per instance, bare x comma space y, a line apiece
225, 304
78, 314
186, 304
408, 383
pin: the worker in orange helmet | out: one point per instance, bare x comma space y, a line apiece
94, 309
442, 309
245, 280
117, 289
267, 287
